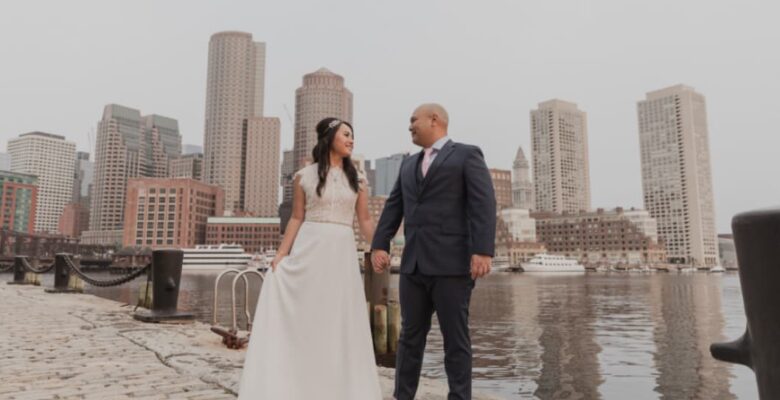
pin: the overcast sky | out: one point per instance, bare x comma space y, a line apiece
489, 62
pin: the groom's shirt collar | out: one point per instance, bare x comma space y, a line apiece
440, 143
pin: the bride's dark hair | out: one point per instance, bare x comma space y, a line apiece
326, 131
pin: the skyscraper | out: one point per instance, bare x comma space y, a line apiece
50, 158
322, 95
82, 178
128, 145
288, 169
241, 147
676, 177
559, 141
522, 187
387, 169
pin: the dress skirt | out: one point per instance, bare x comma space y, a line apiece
311, 337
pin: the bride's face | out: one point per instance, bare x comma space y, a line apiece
343, 141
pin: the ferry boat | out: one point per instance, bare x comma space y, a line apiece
215, 257
552, 263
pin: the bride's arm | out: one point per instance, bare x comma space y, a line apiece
365, 222
298, 212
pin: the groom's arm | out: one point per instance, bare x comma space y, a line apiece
391, 217
480, 204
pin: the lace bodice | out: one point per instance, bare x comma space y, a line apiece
337, 203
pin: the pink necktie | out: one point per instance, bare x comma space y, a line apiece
427, 160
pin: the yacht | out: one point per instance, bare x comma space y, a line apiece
215, 257
552, 263
717, 268
500, 264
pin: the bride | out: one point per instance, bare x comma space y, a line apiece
311, 337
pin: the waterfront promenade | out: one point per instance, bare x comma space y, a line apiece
78, 346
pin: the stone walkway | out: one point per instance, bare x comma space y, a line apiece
75, 346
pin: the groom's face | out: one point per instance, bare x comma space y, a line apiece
421, 127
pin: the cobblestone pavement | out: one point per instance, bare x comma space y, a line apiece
76, 346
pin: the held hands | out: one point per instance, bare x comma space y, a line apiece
480, 265
380, 260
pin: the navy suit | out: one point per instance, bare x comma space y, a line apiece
449, 215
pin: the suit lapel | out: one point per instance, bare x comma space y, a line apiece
412, 171
440, 158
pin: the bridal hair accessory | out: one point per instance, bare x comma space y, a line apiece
331, 125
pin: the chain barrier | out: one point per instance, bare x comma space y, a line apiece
29, 268
108, 283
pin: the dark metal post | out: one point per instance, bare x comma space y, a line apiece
61, 274
757, 239
19, 271
166, 277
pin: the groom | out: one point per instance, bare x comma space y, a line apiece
445, 196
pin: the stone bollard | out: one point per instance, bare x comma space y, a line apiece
393, 325
379, 329
20, 276
62, 275
145, 295
166, 278
31, 278
76, 283
757, 240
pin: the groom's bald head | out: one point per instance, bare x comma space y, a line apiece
428, 124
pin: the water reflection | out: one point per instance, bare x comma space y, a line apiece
610, 336
687, 316
570, 368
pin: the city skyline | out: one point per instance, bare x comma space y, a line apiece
577, 63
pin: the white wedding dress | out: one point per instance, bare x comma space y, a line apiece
311, 337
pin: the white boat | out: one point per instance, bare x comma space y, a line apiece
552, 263
687, 269
215, 257
718, 268
500, 264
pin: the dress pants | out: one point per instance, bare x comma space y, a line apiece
449, 296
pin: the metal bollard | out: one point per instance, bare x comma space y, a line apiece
19, 272
757, 239
62, 275
166, 278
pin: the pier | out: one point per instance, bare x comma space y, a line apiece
79, 346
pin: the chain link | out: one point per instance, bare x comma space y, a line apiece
108, 283
29, 268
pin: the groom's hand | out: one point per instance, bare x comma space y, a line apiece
480, 265
379, 260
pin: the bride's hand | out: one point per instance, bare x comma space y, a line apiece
276, 261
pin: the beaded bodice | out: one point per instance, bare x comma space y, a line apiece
337, 203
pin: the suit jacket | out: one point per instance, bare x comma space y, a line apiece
448, 216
